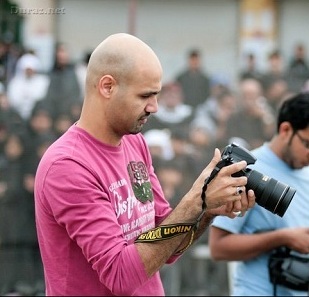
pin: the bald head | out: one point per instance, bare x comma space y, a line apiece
122, 83
119, 55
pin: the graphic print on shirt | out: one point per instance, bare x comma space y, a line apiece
133, 200
140, 181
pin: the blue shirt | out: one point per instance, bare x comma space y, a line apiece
251, 277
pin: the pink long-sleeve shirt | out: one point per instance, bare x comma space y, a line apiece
92, 200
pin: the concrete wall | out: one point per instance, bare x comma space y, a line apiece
170, 27
39, 19
294, 25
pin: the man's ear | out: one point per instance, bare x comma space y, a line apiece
106, 84
285, 129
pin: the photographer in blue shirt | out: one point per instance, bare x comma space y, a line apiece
250, 239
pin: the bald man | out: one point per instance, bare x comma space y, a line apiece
103, 224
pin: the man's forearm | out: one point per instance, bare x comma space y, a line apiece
155, 254
205, 222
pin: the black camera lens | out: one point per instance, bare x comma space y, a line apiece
270, 193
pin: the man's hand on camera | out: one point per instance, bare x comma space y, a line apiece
237, 208
226, 194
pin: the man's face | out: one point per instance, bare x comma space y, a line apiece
296, 153
134, 101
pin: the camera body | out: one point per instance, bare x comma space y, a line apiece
270, 193
233, 153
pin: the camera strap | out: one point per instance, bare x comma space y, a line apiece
206, 183
163, 232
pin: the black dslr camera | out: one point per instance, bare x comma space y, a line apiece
288, 269
270, 193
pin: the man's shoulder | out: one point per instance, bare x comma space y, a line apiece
62, 147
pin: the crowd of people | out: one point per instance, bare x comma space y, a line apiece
197, 112
35, 109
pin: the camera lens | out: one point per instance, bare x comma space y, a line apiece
270, 193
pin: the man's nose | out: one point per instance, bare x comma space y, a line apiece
152, 105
